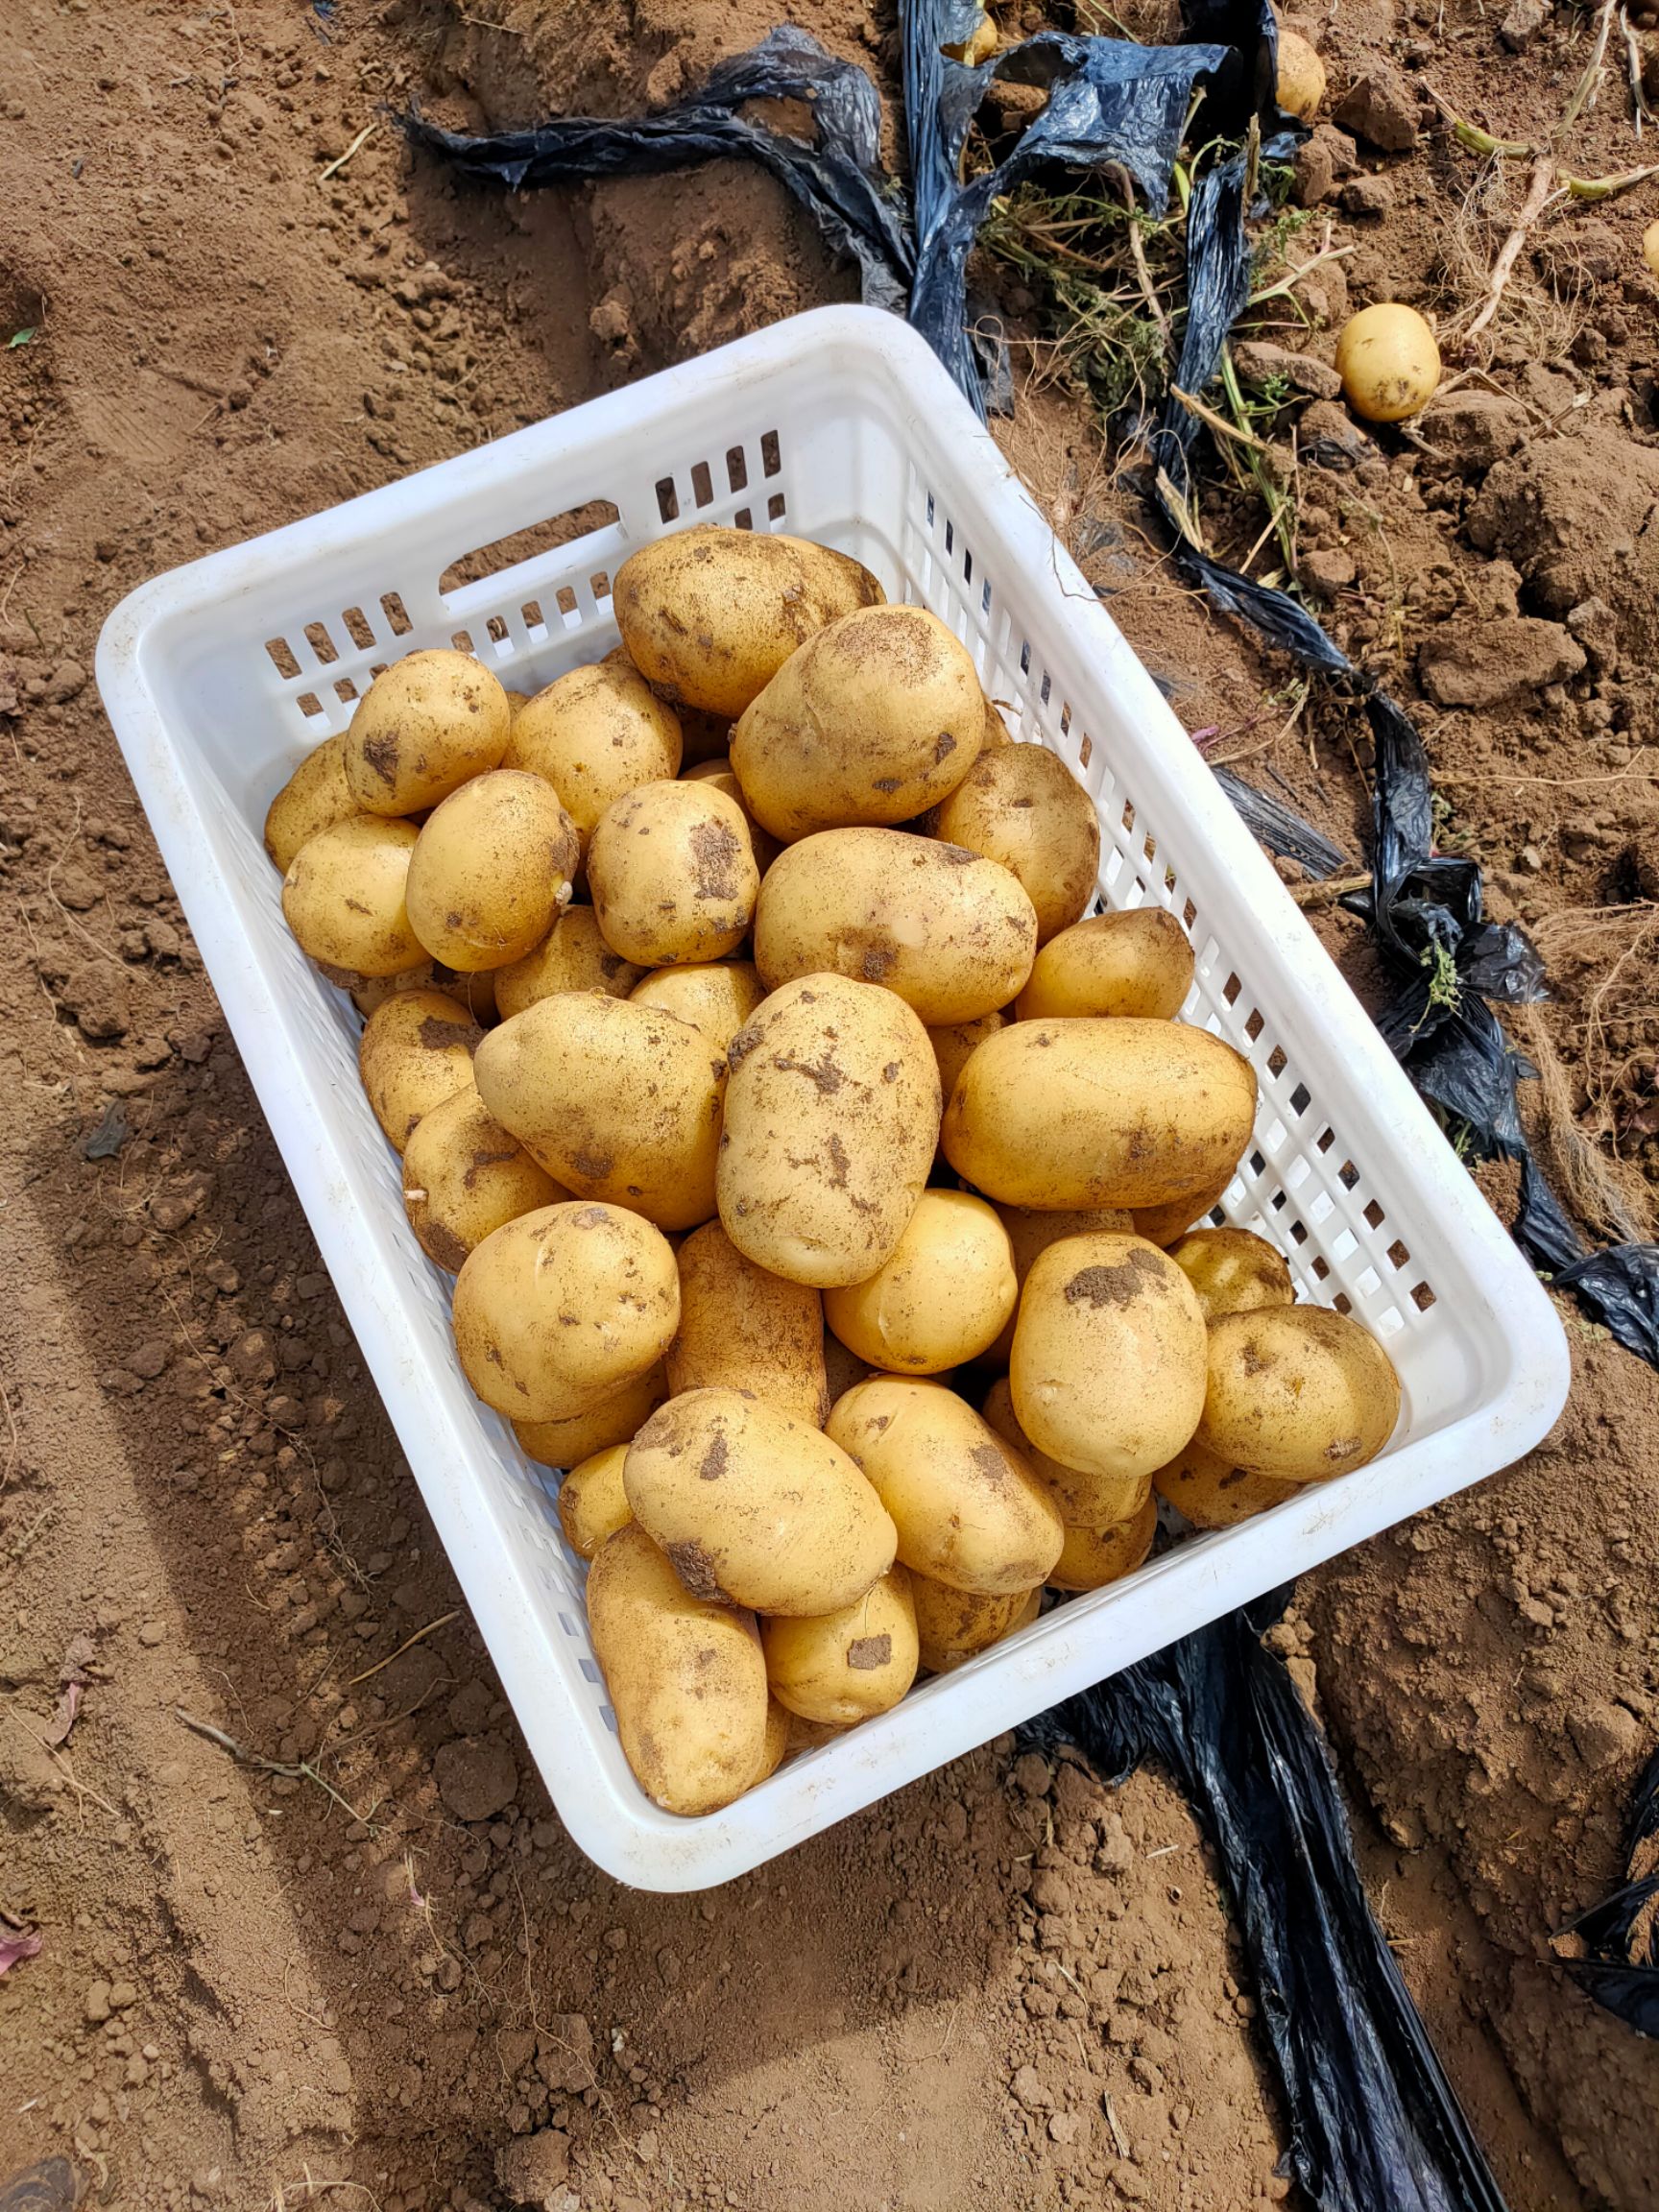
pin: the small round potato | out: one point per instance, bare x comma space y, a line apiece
953, 1624
755, 1508
1389, 362
592, 1504
314, 798
617, 1419
555, 1311
1030, 1233
1301, 85
1092, 1558
1085, 1501
849, 1665
1137, 964
476, 991
572, 956
1166, 1224
943, 1296
1214, 1494
742, 1329
954, 1041
672, 875
1232, 1271
424, 726
716, 996
492, 871
968, 1510
343, 896
1020, 805
1297, 1391
415, 1052
594, 733
464, 1176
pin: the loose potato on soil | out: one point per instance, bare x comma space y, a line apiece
314, 798
846, 1666
831, 1112
954, 1041
1301, 85
743, 1329
1389, 362
1214, 1494
1020, 805
1297, 1391
616, 1419
593, 735
672, 875
951, 934
1030, 1232
953, 1624
556, 1311
414, 1051
592, 1504
344, 897
1232, 1271
492, 871
755, 1508
572, 956
941, 1298
476, 991
424, 726
710, 616
716, 996
1086, 1501
874, 720
464, 1176
1092, 1558
1137, 964
686, 1679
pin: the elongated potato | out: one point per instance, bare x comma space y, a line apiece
672, 875
1214, 1494
710, 616
1030, 1233
1232, 1271
492, 871
1297, 1391
1098, 1112
1086, 1501
716, 996
344, 897
686, 1679
846, 1666
1020, 805
756, 1507
464, 1176
425, 725
592, 1504
415, 1052
968, 1510
476, 991
956, 1040
314, 798
616, 1101
953, 1624
1092, 1558
743, 1329
831, 1116
941, 1298
616, 1419
572, 956
1138, 966
595, 733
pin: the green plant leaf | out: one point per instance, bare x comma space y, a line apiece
20, 338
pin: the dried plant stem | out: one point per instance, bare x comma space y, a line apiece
1538, 195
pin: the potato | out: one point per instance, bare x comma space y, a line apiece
841, 1370
807, 1735
555, 1311
831, 1112
953, 1624
492, 871
594, 733
343, 896
615, 1420
1165, 1225
1301, 85
742, 1329
1137, 964
1389, 362
942, 1296
954, 1041
464, 1176
1030, 1233
996, 729
572, 956
776, 1747
716, 996
968, 1510
756, 1507
1651, 247
763, 844
873, 721
1020, 805
686, 1679
476, 991
1092, 1558
1086, 1501
314, 798
616, 1101
672, 875
592, 1504
951, 934
1098, 1112
1214, 1494
415, 1052
1297, 1391
1108, 1368
849, 1665
424, 726
1232, 1271
516, 699
710, 616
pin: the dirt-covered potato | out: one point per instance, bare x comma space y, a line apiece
491, 870
951, 934
555, 1311
846, 1666
1108, 1368
1166, 1224
672, 875
1098, 1112
686, 1679
1020, 805
1137, 964
1389, 362
1214, 1494
424, 726
954, 1040
572, 956
743, 1329
343, 896
717, 995
616, 1101
415, 1052
710, 616
951, 1626
592, 1504
594, 733
968, 1510
764, 846
1297, 1391
314, 798
1086, 1501
617, 1419
464, 1176
943, 1296
477, 992
1301, 85
1030, 1233
874, 720
1092, 1558
1232, 1271
756, 1507
831, 1112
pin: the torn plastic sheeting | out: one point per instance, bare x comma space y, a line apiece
1622, 1932
1276, 828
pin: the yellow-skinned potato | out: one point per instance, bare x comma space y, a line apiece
1108, 1368
1098, 1112
490, 871
1389, 362
875, 719
343, 896
617, 1419
1020, 805
716, 996
719, 773
953, 1624
996, 729
950, 933
476, 991
618, 1101
849, 1665
942, 1296
1297, 1391
1166, 1224
708, 615
592, 1504
743, 1329
1092, 1558
1214, 1494
686, 1679
572, 956
555, 1311
1086, 1501
314, 798
830, 1113
775, 1749
595, 733
1137, 964
1301, 85
424, 726
841, 1369
1030, 1233
755, 1508
1232, 1271
464, 1176
672, 875
415, 1052
968, 1512
954, 1040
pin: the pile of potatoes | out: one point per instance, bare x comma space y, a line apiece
819, 1183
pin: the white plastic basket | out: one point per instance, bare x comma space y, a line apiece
838, 425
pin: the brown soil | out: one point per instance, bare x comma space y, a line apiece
388, 1979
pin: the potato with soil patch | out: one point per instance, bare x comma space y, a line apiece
616, 1419
463, 1177
343, 896
593, 735
1232, 1271
951, 1626
1030, 1232
572, 956
944, 1293
719, 773
744, 1329
592, 1504
492, 871
314, 798
846, 1666
1086, 1501
716, 996
1214, 1494
424, 726
1297, 1391
1136, 964
1020, 805
415, 1052
1092, 1558
672, 875
1389, 362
